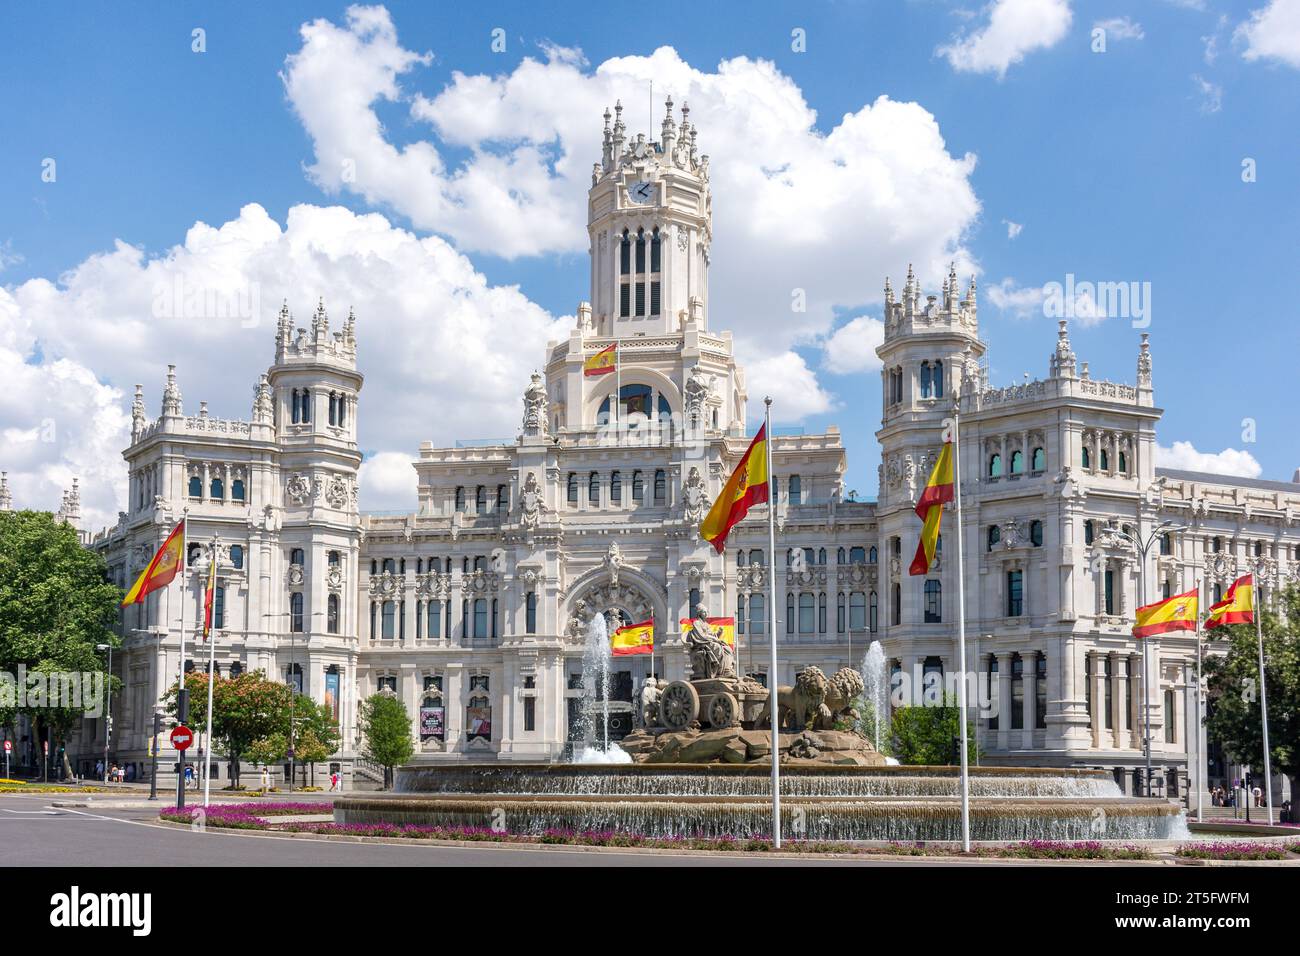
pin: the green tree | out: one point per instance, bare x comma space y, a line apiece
921, 734
316, 733
386, 730
1232, 680
56, 604
245, 709
269, 750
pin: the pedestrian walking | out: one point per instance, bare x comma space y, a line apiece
266, 780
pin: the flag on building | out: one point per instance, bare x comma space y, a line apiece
603, 362
1177, 613
161, 569
633, 639
726, 627
1237, 606
929, 508
209, 594
746, 487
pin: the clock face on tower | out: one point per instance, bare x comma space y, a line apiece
641, 193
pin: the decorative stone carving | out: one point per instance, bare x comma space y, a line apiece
531, 505
695, 496
386, 584
262, 407
479, 582
697, 391
613, 561
334, 577
535, 406
298, 489
336, 492
1011, 536
711, 656
295, 576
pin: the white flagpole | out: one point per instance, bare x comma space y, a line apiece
180, 667
618, 391
1202, 768
212, 675
773, 704
1258, 608
961, 630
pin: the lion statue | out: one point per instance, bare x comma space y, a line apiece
816, 701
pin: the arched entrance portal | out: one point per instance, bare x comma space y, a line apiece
602, 687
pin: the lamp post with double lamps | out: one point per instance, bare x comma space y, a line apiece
1141, 546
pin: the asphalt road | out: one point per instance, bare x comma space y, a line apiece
35, 833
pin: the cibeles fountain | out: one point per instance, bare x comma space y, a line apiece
698, 764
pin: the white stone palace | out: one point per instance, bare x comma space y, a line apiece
470, 607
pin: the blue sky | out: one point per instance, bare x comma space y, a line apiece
1117, 166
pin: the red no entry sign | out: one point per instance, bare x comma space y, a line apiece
9, 746
182, 737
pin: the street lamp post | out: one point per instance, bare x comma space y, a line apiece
294, 686
1141, 546
108, 704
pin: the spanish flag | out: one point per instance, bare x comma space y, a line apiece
1237, 606
726, 624
633, 639
746, 487
929, 508
161, 569
1177, 613
209, 593
603, 362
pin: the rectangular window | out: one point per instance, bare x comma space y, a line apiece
806, 611
896, 611
480, 618
1107, 718
757, 614
530, 714
1110, 592
857, 611
1040, 692
640, 298
389, 611
435, 620
1015, 593
1017, 693
624, 300
1171, 718
933, 603
995, 707
530, 613
654, 298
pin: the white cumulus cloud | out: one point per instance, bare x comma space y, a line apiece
1231, 461
1272, 33
1120, 28
502, 163
852, 347
1013, 29
389, 481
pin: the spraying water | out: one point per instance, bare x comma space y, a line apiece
876, 679
596, 745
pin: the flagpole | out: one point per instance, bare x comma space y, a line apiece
1255, 591
773, 703
1202, 774
182, 694
212, 671
961, 630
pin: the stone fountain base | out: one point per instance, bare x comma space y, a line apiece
822, 748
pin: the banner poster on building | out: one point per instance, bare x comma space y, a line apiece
479, 720
432, 723
332, 692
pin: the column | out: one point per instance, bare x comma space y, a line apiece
1004, 701
1117, 681
1029, 680
1135, 708
1098, 695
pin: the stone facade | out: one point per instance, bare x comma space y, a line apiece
470, 608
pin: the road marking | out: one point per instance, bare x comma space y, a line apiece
50, 813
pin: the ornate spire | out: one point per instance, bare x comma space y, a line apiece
171, 403
668, 130
889, 293
70, 508
617, 140
137, 414
1062, 362
1144, 362
320, 322
970, 292
263, 411
6, 499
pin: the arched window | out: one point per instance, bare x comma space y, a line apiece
1036, 533
995, 535
625, 255
460, 498
938, 379
480, 500
616, 487
995, 465
841, 556
1259, 548
1089, 531
573, 489
807, 608
857, 611
821, 556
196, 487
873, 556
1105, 460
757, 557
306, 405
654, 268
1217, 545
503, 499
389, 566
530, 612
593, 488
1038, 460
933, 602
333, 400
1017, 462
1087, 458
1166, 543
297, 409
661, 486
638, 487
740, 559
1123, 464
640, 272
795, 489
236, 556
925, 379
332, 614
295, 612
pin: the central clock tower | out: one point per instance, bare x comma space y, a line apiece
649, 220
